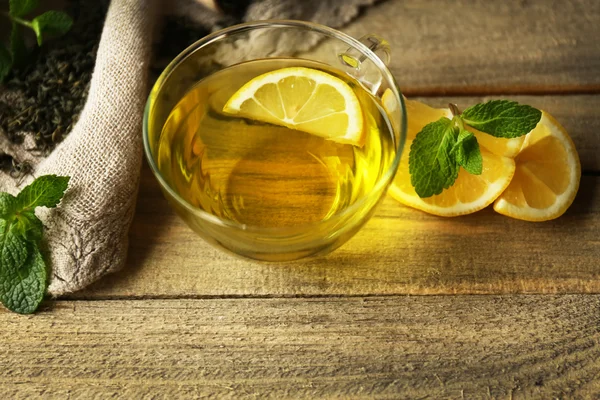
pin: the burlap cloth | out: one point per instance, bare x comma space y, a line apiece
87, 235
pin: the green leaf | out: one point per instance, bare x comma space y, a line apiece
45, 191
17, 46
53, 23
23, 273
29, 226
13, 246
20, 8
5, 61
8, 205
432, 165
467, 153
22, 289
502, 118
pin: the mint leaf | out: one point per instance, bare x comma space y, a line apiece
22, 268
29, 226
20, 8
8, 205
502, 118
22, 289
432, 166
467, 153
45, 191
53, 23
17, 46
5, 61
13, 246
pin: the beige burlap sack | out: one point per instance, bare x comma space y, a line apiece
332, 13
87, 235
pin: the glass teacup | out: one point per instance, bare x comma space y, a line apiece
271, 198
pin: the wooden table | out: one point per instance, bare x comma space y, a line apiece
415, 306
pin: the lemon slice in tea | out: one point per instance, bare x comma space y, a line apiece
304, 99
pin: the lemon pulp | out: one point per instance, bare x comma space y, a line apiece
302, 98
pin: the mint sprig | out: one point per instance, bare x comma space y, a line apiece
23, 273
432, 165
49, 24
20, 8
502, 118
442, 147
467, 153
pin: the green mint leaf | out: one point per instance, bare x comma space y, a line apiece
52, 23
14, 248
8, 205
502, 118
467, 153
22, 289
23, 275
432, 165
17, 46
45, 191
20, 8
5, 61
29, 226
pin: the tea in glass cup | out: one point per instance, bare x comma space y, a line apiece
276, 158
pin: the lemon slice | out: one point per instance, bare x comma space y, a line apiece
305, 99
547, 175
420, 114
469, 193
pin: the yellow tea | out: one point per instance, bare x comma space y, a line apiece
266, 175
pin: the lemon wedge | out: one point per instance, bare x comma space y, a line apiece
304, 99
547, 175
469, 193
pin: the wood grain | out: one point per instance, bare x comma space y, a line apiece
489, 47
442, 347
400, 251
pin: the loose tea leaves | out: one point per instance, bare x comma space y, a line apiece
51, 23
45, 96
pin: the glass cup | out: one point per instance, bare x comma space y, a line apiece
364, 60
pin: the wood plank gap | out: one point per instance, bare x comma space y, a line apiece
469, 91
71, 298
75, 297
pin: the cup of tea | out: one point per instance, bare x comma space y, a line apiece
275, 140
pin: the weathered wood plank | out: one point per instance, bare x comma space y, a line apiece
443, 347
489, 47
399, 251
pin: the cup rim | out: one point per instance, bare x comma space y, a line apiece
385, 179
